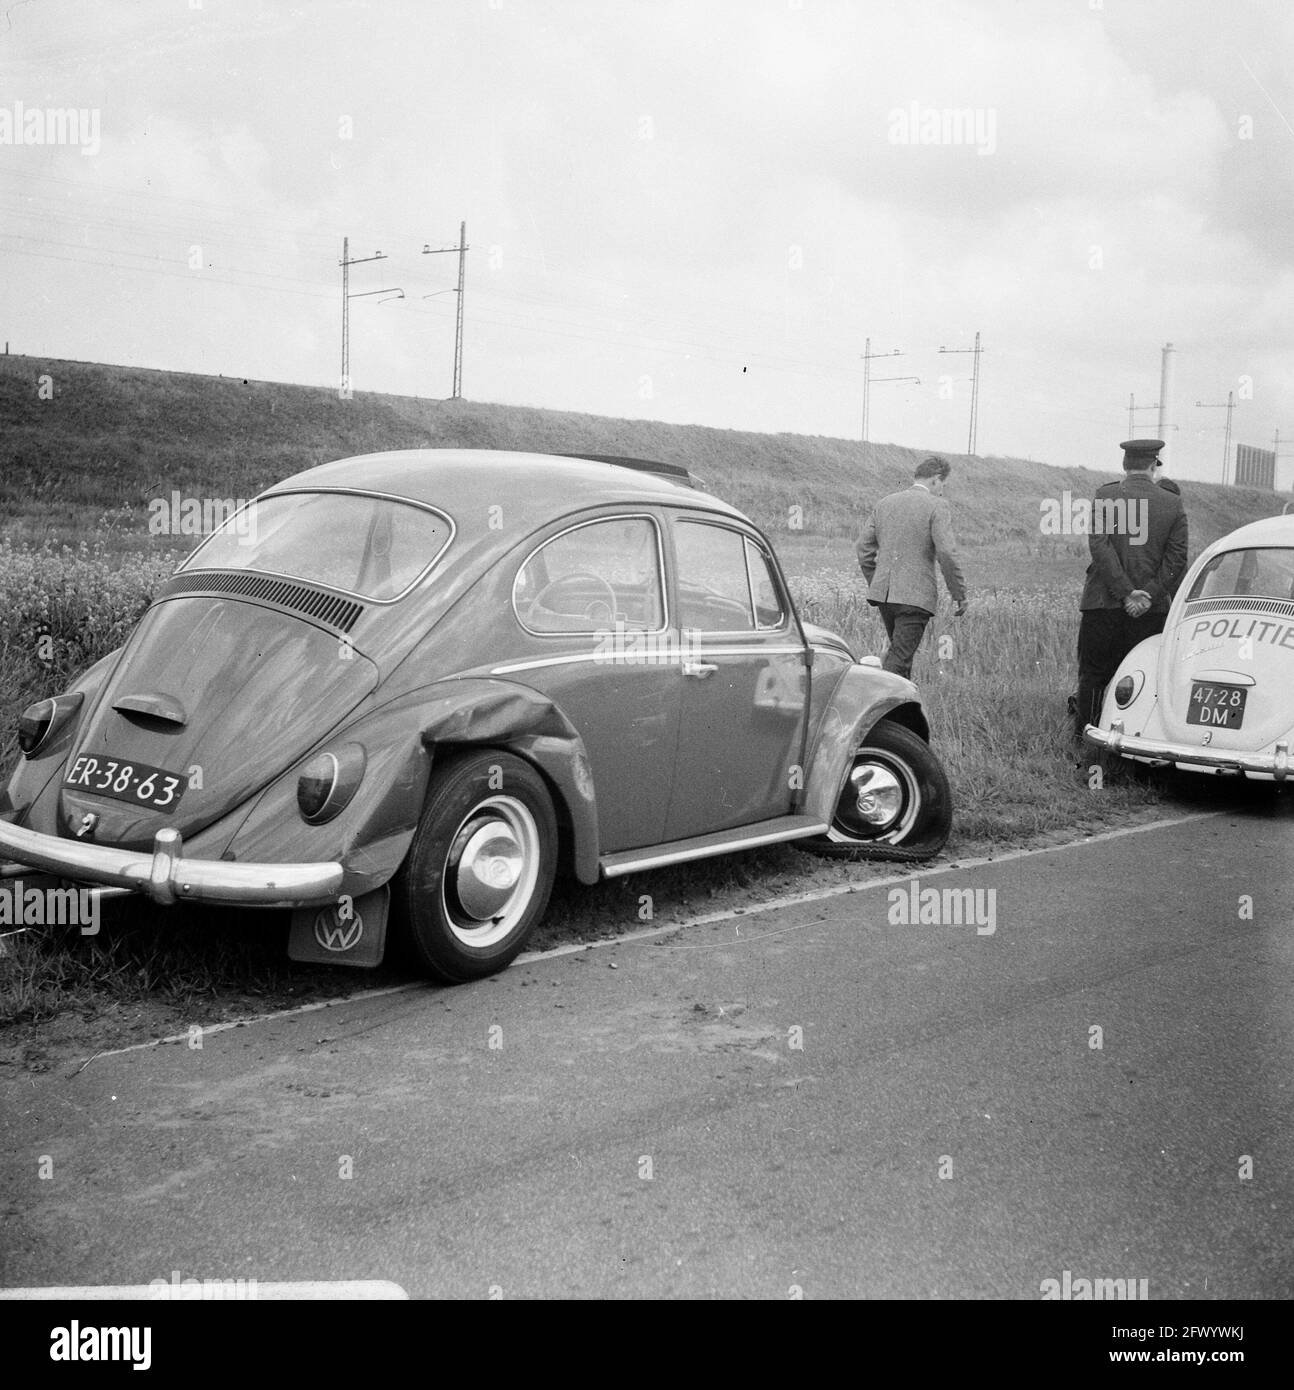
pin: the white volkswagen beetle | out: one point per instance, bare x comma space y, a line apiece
1214, 692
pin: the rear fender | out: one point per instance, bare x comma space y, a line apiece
1143, 658
402, 741
864, 696
371, 835
34, 776
482, 712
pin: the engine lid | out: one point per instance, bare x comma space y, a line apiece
212, 699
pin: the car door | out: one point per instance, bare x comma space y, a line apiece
743, 680
591, 598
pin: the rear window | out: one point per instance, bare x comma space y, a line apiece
1266, 572
375, 547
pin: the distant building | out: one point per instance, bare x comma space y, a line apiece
1255, 467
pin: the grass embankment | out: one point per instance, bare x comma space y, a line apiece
77, 565
87, 460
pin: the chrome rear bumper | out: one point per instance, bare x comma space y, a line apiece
1275, 765
166, 877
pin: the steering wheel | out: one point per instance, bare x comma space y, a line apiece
579, 577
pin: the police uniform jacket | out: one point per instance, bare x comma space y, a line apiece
904, 537
1137, 541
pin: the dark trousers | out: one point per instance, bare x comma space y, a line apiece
905, 625
1105, 637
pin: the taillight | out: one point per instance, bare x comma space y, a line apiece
39, 723
328, 781
1128, 688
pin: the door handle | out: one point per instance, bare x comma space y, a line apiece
699, 669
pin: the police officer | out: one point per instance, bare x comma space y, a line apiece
1137, 539
1170, 486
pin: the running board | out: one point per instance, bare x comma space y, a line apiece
764, 832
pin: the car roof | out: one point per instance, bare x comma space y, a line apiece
1271, 530
532, 487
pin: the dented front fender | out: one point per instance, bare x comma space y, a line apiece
862, 696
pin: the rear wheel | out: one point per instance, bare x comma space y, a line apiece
480, 869
895, 802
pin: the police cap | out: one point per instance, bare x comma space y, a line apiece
1140, 453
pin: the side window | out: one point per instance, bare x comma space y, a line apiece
594, 578
763, 588
713, 582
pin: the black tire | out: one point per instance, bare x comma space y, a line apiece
489, 810
912, 810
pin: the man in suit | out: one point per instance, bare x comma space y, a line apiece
906, 534
1137, 541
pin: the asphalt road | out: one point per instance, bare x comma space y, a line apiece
813, 1099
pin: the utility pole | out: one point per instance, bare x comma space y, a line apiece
1133, 407
462, 248
1166, 401
346, 296
458, 327
974, 409
1228, 405
868, 356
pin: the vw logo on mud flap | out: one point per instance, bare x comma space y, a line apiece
334, 935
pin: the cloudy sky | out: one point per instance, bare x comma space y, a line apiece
696, 212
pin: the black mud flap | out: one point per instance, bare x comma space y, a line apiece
347, 932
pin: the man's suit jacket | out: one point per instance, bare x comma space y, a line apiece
904, 537
1138, 540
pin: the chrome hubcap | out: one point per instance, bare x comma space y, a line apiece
881, 799
488, 870
491, 871
878, 794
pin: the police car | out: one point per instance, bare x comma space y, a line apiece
1214, 692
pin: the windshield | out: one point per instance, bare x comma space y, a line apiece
1262, 573
370, 546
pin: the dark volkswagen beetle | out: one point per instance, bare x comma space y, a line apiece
416, 684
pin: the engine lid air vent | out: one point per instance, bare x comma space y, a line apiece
324, 607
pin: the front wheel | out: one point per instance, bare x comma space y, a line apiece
895, 802
480, 869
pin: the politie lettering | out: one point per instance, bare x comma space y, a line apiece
1267, 631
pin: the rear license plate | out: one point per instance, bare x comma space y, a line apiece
1218, 706
137, 783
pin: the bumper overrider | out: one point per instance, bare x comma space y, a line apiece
165, 876
1275, 764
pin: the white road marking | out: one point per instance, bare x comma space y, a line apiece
208, 1290
793, 900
